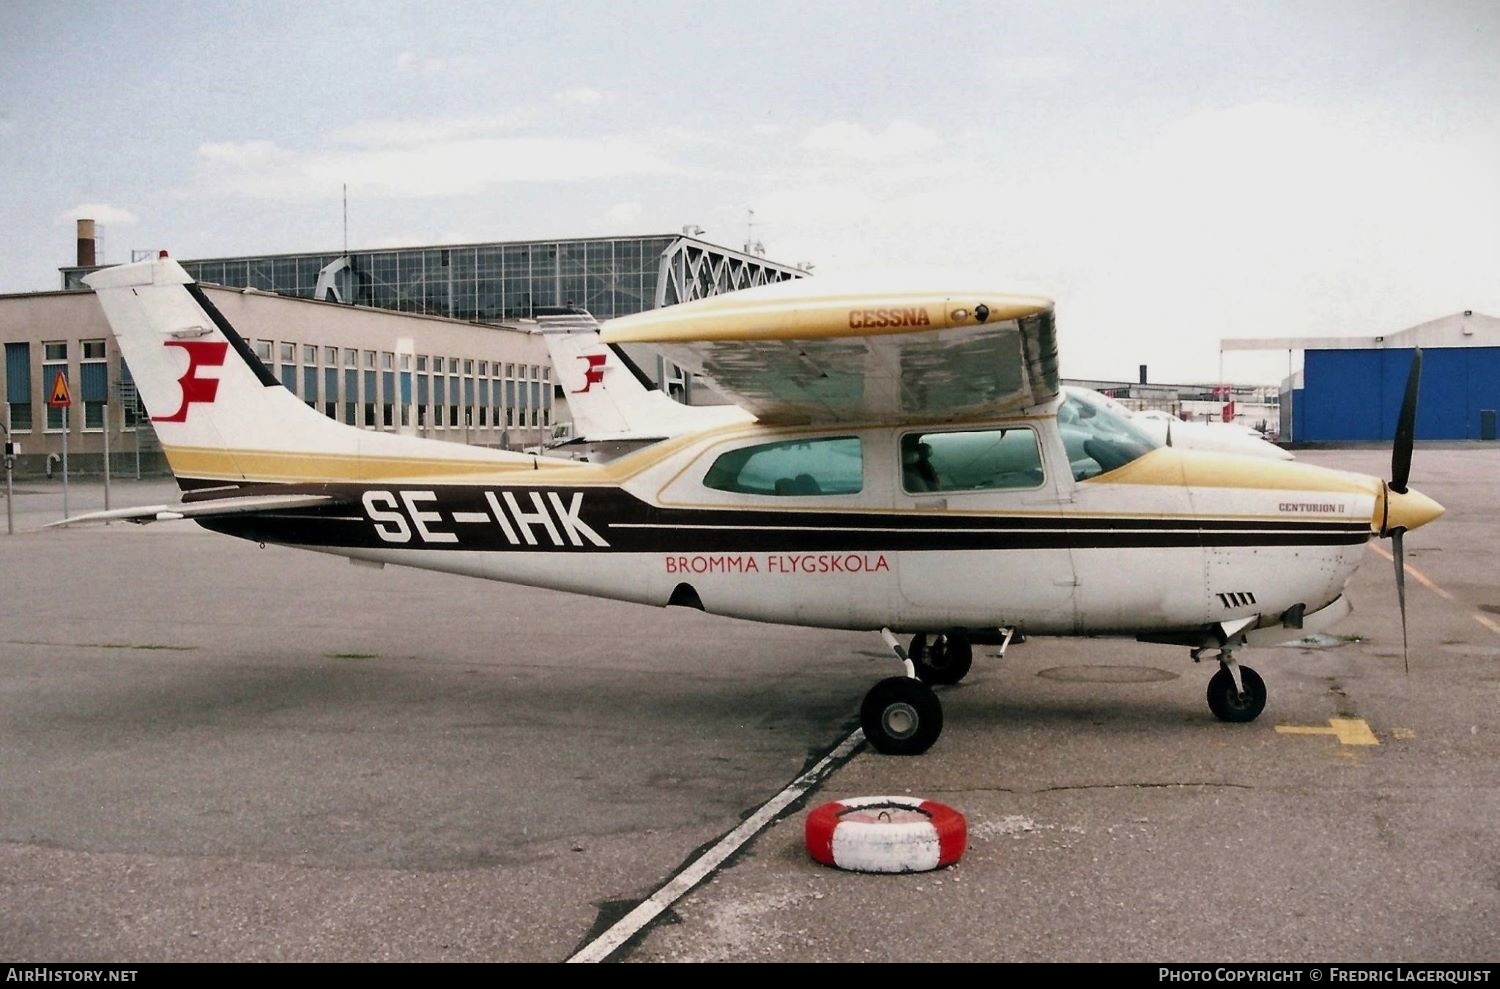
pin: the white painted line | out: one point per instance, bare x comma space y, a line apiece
700, 868
475, 517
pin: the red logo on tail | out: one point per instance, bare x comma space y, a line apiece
593, 374
201, 353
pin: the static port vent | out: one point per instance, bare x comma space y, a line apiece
1236, 599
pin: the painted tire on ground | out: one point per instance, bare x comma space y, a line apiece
886, 834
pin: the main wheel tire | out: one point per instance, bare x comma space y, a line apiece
901, 716
1228, 704
945, 660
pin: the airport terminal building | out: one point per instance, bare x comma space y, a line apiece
422, 340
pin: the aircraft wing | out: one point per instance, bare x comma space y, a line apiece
206, 509
798, 351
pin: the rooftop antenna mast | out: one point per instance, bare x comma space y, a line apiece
752, 246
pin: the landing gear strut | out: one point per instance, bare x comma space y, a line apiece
901, 715
1235, 693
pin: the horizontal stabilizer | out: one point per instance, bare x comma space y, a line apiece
208, 509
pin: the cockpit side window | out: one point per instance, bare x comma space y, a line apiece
1098, 437
831, 465
970, 460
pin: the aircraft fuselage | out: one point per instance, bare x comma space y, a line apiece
1174, 541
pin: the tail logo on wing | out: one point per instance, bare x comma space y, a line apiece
593, 374
200, 353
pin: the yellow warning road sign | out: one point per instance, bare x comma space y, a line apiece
61, 398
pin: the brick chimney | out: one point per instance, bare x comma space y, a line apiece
86, 244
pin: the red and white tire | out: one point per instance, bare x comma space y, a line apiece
886, 834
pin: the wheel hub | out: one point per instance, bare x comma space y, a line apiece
901, 720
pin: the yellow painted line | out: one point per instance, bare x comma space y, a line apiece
1403, 734
1349, 731
1353, 731
1428, 583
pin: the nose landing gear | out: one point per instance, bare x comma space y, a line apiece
1235, 693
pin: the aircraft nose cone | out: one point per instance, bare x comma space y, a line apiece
1410, 510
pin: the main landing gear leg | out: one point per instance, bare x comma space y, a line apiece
901, 715
1235, 693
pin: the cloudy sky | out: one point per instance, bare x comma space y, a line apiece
1172, 173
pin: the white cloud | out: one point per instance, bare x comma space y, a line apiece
378, 133
622, 214
424, 64
98, 212
1034, 68
455, 167
899, 139
580, 96
7, 123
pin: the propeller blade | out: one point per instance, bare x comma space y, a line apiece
1406, 426
1398, 553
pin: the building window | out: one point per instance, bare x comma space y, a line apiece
453, 416
351, 358
421, 362
406, 362
468, 366
510, 370
369, 358
331, 356
387, 360
93, 375
350, 408
288, 353
309, 354
55, 357
453, 365
484, 368
263, 350
18, 386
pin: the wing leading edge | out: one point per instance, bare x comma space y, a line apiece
797, 353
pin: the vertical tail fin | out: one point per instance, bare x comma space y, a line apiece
609, 397
221, 415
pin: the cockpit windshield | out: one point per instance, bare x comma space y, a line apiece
1099, 434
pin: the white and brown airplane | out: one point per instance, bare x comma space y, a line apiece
913, 468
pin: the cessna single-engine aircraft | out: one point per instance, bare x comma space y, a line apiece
914, 468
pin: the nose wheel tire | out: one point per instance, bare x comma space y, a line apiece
1228, 704
901, 716
945, 659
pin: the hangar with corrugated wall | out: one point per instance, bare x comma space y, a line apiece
1350, 388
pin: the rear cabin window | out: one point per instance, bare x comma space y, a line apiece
972, 460
792, 468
